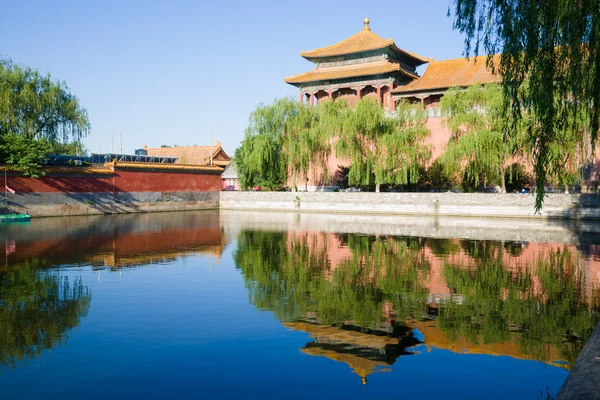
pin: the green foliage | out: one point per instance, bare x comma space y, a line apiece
380, 149
439, 178
23, 154
38, 309
555, 45
73, 148
307, 140
34, 106
478, 147
284, 274
558, 313
284, 138
540, 305
259, 159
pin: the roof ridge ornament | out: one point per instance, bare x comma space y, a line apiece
366, 21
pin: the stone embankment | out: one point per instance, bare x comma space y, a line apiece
583, 382
562, 206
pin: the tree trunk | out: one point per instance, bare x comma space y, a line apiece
294, 180
566, 189
503, 184
377, 187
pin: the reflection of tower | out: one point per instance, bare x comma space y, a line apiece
366, 353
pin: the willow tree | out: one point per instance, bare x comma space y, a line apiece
308, 140
259, 159
382, 149
35, 111
570, 150
35, 106
553, 43
478, 144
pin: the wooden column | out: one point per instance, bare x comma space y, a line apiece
331, 94
312, 99
301, 98
379, 94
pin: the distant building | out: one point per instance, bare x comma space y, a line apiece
229, 178
194, 155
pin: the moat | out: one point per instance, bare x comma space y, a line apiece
232, 305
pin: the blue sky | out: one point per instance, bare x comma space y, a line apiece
167, 72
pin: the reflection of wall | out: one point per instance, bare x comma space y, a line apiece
518, 257
115, 241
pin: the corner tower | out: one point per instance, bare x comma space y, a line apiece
364, 65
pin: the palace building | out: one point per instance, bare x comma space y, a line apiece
366, 65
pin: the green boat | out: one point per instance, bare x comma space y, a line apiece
15, 217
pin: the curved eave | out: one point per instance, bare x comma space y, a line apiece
417, 60
321, 53
344, 73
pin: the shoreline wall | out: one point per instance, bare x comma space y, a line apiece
558, 206
115, 189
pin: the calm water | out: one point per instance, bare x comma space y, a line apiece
249, 305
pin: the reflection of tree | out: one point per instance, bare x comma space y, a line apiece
37, 308
515, 249
292, 278
537, 310
541, 311
481, 249
443, 247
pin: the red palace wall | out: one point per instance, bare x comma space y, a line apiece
143, 181
77, 191
121, 181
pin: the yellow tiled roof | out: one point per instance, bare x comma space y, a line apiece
348, 71
365, 40
448, 73
69, 170
198, 155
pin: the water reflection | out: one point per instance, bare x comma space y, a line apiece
37, 309
40, 305
371, 303
114, 241
363, 295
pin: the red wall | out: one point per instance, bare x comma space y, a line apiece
70, 184
121, 181
162, 181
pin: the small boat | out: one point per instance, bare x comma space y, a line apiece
10, 217
15, 218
